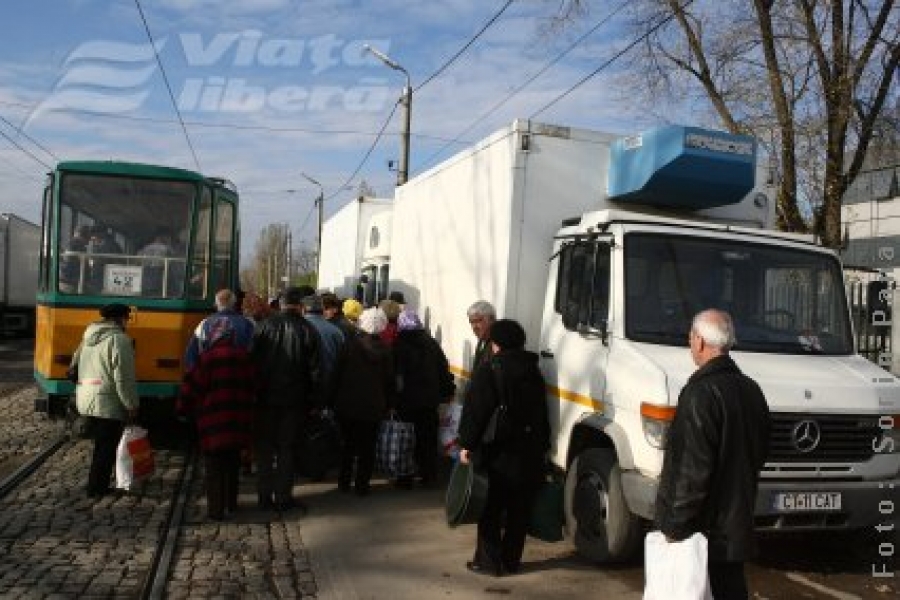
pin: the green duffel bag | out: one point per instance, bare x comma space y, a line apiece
466, 495
548, 513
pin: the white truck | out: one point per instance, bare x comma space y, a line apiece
20, 242
356, 243
604, 248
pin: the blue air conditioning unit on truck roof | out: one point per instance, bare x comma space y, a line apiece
663, 167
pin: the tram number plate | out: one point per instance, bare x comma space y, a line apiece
124, 280
806, 501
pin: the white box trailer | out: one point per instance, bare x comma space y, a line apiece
19, 258
355, 239
604, 248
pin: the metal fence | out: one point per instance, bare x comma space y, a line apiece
869, 294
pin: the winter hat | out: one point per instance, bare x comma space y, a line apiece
508, 334
115, 311
293, 296
409, 320
352, 309
391, 310
373, 321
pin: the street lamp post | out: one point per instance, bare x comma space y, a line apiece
319, 202
406, 103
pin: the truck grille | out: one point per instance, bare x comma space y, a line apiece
798, 437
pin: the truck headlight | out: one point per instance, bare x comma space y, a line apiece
656, 421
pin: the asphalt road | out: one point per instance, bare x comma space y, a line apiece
395, 544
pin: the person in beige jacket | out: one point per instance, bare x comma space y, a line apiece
105, 390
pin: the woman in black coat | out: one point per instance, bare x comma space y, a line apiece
514, 460
363, 396
423, 382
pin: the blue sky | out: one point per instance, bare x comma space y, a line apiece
270, 89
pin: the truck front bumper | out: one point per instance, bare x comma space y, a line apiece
862, 503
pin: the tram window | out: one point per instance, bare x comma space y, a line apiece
46, 219
199, 274
224, 238
105, 224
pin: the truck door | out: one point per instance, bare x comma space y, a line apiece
574, 336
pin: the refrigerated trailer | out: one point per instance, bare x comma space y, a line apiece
19, 257
356, 250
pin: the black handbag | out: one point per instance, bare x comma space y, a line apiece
466, 494
497, 428
548, 515
319, 445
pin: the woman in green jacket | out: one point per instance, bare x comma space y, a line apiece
106, 390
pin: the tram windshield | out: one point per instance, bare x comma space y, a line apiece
123, 236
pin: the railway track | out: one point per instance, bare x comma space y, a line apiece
10, 482
123, 545
163, 558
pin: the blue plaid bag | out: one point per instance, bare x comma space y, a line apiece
394, 450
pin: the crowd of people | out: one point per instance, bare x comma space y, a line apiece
314, 354
255, 381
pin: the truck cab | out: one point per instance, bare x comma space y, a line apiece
623, 287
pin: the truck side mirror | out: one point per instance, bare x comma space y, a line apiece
601, 332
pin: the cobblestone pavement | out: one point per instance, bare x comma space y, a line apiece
253, 554
56, 543
23, 432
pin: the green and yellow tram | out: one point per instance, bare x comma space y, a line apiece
159, 239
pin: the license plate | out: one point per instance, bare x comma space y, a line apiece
806, 501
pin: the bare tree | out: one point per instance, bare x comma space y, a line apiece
305, 263
808, 78
270, 261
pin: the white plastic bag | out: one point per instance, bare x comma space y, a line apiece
449, 428
675, 570
134, 458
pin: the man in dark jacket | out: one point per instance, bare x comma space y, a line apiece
514, 458
286, 352
716, 446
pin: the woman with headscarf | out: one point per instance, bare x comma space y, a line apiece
106, 390
219, 394
364, 393
423, 382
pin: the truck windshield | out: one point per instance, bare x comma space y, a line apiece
123, 236
783, 300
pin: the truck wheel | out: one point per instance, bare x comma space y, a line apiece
598, 521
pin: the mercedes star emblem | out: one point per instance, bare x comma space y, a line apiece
806, 436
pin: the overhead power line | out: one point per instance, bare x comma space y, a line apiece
465, 47
168, 86
610, 61
531, 79
227, 125
365, 158
25, 150
19, 131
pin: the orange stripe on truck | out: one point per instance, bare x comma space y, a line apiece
560, 393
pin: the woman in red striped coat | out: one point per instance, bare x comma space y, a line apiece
219, 395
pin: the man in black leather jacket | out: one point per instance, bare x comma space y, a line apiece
286, 352
716, 446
